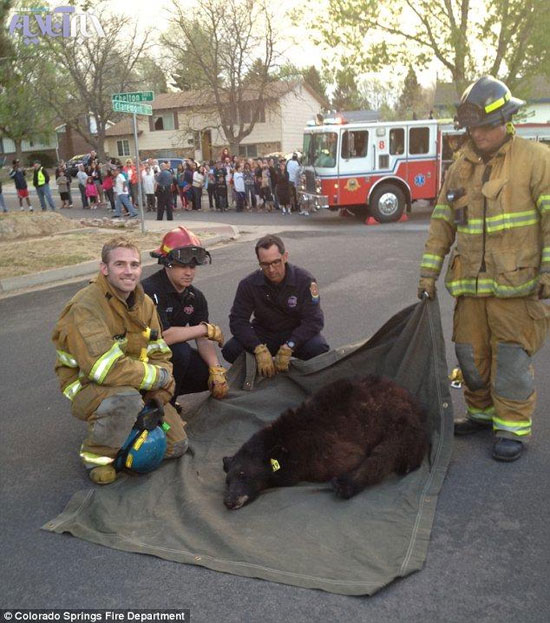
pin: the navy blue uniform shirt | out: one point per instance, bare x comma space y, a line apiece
292, 306
175, 309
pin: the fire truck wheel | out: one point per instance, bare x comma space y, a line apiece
387, 203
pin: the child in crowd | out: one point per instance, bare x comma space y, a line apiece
63, 188
91, 193
107, 185
238, 184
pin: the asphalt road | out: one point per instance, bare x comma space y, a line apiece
489, 557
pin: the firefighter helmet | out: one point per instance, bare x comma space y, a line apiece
181, 246
145, 446
487, 101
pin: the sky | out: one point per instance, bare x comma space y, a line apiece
294, 45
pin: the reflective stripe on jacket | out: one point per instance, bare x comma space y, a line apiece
504, 243
99, 339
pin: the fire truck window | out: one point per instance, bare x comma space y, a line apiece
397, 141
384, 162
324, 149
419, 140
355, 144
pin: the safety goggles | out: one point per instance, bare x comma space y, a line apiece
473, 116
190, 255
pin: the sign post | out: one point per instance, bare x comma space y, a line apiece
130, 103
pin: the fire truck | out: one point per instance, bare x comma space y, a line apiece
379, 168
376, 168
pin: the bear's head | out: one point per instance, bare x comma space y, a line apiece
246, 477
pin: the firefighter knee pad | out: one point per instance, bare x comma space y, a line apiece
176, 449
114, 418
514, 378
465, 356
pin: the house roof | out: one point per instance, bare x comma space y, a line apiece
122, 128
204, 97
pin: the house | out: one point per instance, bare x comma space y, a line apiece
61, 144
187, 124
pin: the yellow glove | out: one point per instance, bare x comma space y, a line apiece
264, 361
544, 286
213, 332
282, 358
217, 383
426, 285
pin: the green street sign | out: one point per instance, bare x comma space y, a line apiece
138, 109
132, 98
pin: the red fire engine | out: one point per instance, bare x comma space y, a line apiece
375, 168
379, 168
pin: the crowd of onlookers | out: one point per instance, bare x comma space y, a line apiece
262, 184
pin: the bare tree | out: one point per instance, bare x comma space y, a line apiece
87, 72
232, 44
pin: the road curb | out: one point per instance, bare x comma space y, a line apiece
54, 276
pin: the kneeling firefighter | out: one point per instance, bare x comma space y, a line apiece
111, 361
183, 313
495, 204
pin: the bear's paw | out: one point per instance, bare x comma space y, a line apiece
343, 486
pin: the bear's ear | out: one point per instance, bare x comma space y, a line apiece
227, 460
278, 451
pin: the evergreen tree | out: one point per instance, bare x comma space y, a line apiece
411, 100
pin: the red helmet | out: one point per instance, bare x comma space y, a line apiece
181, 246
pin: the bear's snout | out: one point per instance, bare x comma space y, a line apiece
234, 503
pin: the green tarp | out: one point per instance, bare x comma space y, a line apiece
302, 535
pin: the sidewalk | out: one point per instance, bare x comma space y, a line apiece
48, 278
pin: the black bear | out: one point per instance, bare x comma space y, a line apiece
351, 432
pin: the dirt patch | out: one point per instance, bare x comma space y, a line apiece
33, 243
15, 226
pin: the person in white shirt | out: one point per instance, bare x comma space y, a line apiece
121, 189
238, 185
148, 181
294, 170
82, 178
198, 182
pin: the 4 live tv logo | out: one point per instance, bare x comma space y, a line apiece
63, 21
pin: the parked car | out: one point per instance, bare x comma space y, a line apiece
72, 164
173, 162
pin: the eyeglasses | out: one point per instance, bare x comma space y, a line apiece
274, 264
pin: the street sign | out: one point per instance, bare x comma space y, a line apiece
132, 98
137, 109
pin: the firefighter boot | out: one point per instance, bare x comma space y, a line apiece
467, 426
103, 475
507, 449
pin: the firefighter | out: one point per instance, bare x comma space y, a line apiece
183, 312
495, 204
276, 313
111, 360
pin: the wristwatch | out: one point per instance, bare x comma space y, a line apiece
291, 344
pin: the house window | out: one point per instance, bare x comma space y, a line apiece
419, 140
355, 144
123, 148
249, 151
248, 110
164, 122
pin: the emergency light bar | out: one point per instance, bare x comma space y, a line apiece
335, 119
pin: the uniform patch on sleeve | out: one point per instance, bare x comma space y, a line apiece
314, 290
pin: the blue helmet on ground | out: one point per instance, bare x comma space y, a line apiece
145, 446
